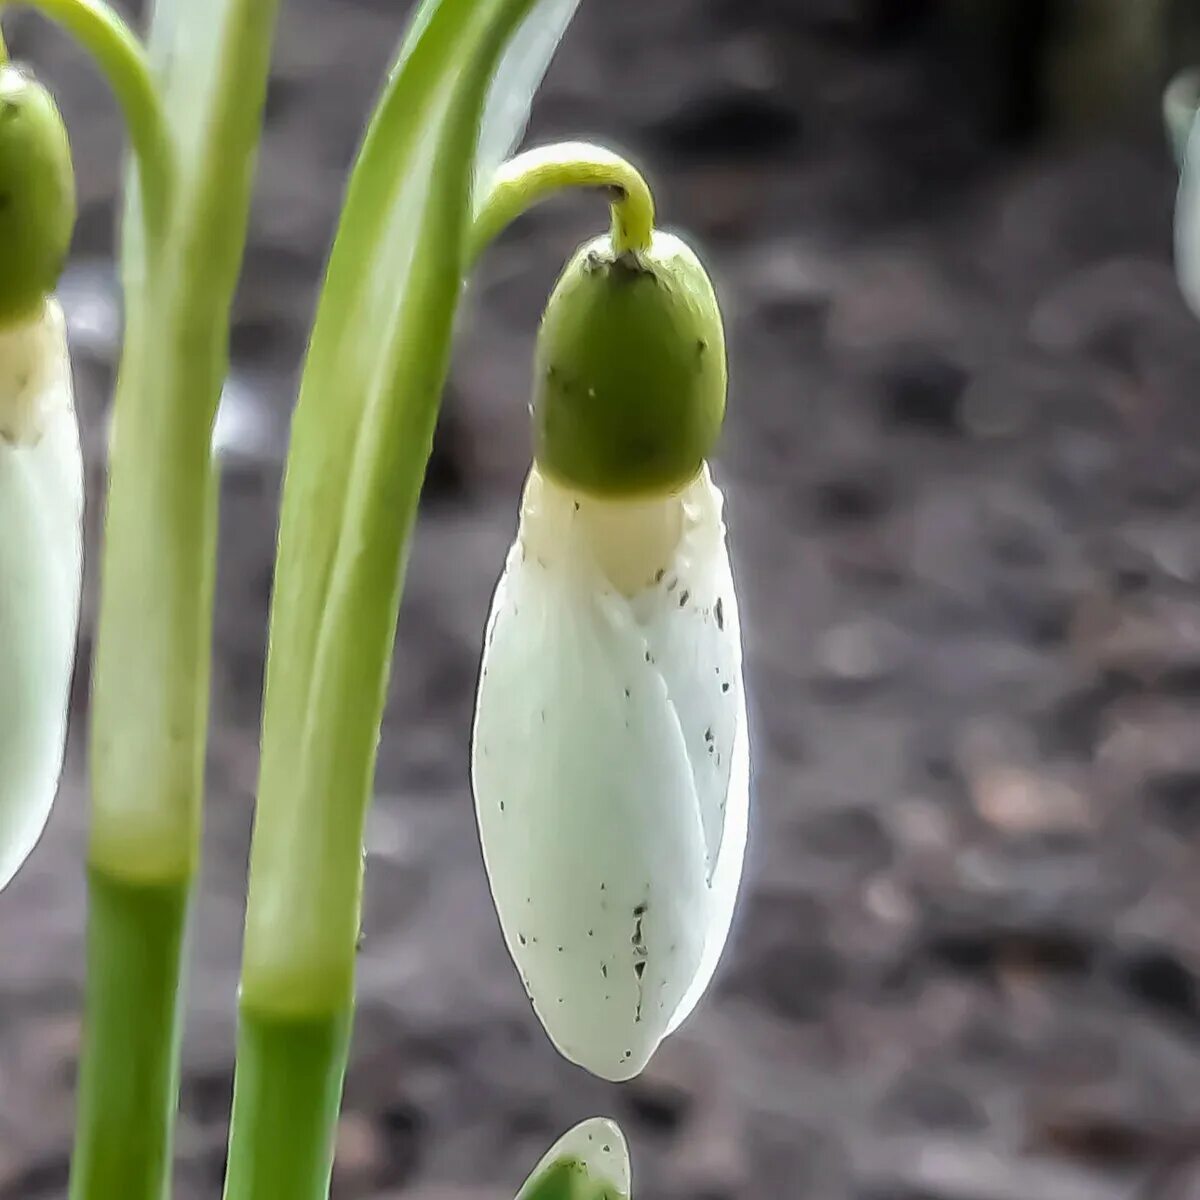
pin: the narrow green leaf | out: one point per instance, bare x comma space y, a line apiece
210, 62
150, 684
517, 80
361, 437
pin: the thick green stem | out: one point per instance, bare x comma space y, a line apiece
127, 1079
531, 177
285, 1104
361, 437
150, 682
194, 108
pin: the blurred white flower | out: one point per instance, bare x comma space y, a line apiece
1184, 128
41, 562
610, 763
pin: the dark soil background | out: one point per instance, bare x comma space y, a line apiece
963, 467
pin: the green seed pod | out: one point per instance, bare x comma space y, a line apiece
630, 382
37, 194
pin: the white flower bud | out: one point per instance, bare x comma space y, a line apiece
610, 763
41, 557
589, 1162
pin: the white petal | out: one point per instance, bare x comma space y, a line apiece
609, 763
1187, 221
41, 507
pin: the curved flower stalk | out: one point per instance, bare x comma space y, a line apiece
610, 758
41, 563
41, 470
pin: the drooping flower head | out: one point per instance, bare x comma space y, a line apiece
41, 475
610, 757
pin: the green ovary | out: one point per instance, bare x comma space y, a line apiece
37, 194
630, 382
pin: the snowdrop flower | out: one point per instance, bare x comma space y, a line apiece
1181, 104
610, 756
41, 474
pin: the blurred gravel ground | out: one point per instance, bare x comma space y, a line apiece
963, 463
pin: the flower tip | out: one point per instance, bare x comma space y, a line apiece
593, 1157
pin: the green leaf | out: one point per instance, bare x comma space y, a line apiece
209, 62
193, 103
361, 437
590, 1162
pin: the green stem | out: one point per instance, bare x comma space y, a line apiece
285, 1104
120, 56
150, 691
127, 1080
150, 679
531, 177
361, 437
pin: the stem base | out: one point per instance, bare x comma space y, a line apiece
285, 1105
128, 1075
